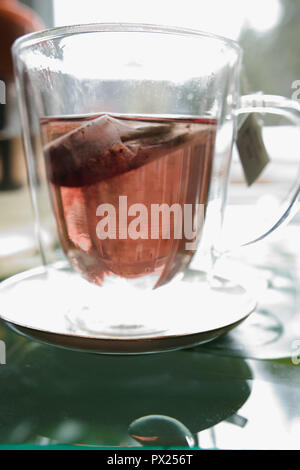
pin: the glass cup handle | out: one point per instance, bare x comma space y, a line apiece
272, 104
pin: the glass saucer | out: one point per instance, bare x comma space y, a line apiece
57, 306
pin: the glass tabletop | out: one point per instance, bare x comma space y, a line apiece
50, 395
241, 391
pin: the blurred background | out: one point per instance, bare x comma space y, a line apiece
268, 33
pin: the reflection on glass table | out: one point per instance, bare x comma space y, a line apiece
271, 270
51, 395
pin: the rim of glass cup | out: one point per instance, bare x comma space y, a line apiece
64, 31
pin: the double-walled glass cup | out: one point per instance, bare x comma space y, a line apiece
128, 132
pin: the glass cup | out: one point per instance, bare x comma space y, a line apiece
128, 132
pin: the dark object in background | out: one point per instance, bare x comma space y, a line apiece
15, 20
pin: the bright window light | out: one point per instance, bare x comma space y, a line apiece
217, 16
263, 15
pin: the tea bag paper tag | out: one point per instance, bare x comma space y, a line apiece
252, 150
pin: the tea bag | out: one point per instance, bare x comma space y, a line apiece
105, 147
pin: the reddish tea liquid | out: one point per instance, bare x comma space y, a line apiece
93, 160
